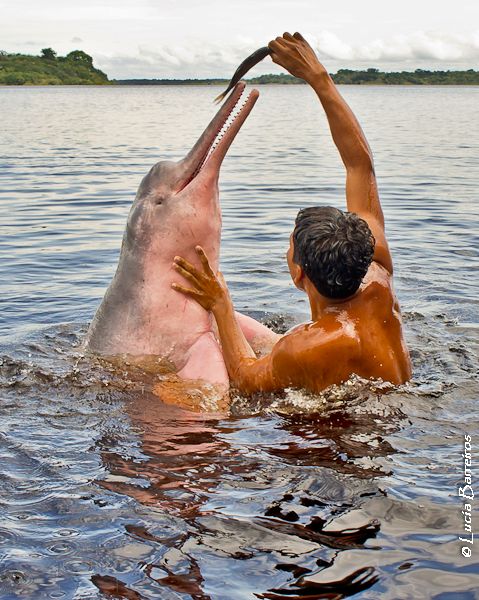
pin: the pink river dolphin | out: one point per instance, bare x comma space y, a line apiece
176, 208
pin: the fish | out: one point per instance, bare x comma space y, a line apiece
245, 66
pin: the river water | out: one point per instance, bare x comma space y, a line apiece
107, 493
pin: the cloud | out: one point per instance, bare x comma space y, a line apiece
420, 45
76, 40
206, 59
171, 60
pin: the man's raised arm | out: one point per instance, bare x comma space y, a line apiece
296, 55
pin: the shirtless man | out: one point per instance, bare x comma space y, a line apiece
340, 259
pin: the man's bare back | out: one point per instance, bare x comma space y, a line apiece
362, 336
340, 260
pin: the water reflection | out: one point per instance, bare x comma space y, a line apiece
290, 496
197, 468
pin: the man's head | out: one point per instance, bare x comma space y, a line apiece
333, 248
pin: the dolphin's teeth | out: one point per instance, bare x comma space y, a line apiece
231, 117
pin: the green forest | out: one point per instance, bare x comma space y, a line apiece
417, 77
76, 68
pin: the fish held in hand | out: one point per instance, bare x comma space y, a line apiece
245, 66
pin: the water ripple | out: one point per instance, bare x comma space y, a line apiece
105, 490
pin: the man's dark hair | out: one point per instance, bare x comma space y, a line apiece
334, 248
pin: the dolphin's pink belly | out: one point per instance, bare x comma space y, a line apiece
170, 325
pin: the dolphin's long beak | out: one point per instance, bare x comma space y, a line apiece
210, 149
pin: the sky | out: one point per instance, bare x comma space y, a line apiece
209, 38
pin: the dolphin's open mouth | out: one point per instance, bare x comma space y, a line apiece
211, 148
241, 104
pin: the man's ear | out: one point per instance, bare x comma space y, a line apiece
298, 276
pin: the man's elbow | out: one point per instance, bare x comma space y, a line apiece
250, 377
244, 385
242, 380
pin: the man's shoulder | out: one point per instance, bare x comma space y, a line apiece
377, 290
377, 273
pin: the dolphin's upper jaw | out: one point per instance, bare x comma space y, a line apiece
210, 149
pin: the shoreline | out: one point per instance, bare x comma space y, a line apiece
193, 84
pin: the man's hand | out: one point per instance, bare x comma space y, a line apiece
209, 290
295, 54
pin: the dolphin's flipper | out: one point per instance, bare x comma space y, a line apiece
205, 361
202, 384
260, 338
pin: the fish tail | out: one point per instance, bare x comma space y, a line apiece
219, 98
245, 66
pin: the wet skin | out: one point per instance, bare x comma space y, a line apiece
361, 334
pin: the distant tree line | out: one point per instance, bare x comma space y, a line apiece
212, 81
76, 68
417, 77
343, 76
